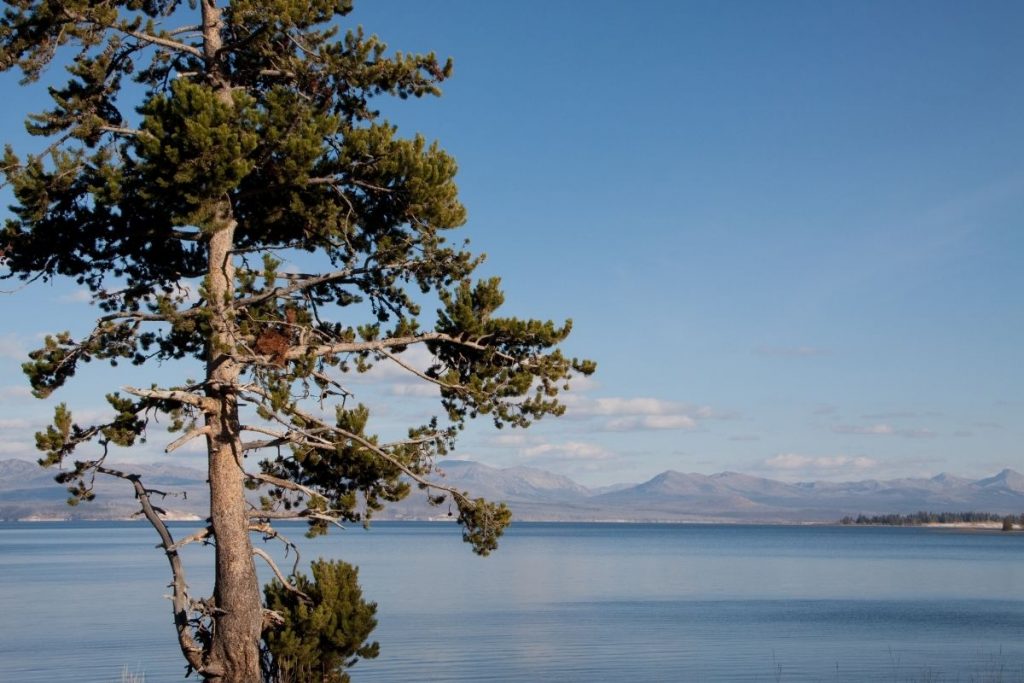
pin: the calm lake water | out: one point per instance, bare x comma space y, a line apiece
561, 602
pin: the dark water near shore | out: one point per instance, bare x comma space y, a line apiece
562, 602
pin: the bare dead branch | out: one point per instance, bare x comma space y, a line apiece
161, 41
412, 442
173, 395
135, 315
381, 345
180, 601
420, 374
283, 483
277, 73
270, 533
138, 35
293, 433
259, 552
185, 438
191, 28
257, 514
200, 535
279, 435
296, 285
266, 443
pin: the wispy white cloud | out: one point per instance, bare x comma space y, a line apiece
638, 422
623, 406
883, 429
17, 448
511, 440
568, 450
421, 390
830, 464
641, 413
15, 423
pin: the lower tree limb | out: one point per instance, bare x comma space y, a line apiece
179, 595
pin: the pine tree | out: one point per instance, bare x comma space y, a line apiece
206, 142
325, 624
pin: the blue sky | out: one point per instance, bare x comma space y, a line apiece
789, 233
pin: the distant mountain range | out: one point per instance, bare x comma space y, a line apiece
29, 492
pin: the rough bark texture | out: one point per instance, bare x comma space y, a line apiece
234, 652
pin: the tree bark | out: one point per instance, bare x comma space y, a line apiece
234, 655
234, 651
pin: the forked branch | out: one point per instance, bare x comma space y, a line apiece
179, 597
259, 552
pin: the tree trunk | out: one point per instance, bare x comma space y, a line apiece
234, 651
234, 655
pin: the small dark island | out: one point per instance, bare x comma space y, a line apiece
923, 518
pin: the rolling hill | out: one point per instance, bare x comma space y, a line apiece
28, 492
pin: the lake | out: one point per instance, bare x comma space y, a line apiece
561, 602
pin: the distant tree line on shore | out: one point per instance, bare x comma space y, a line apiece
923, 517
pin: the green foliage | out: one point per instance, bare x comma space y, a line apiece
483, 523
253, 125
323, 633
193, 149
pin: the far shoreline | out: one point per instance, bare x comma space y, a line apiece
935, 526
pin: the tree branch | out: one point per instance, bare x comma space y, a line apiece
320, 442
426, 378
267, 443
283, 483
139, 35
269, 533
200, 535
291, 436
158, 40
299, 285
128, 132
390, 343
136, 315
188, 436
259, 552
191, 28
179, 599
175, 396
